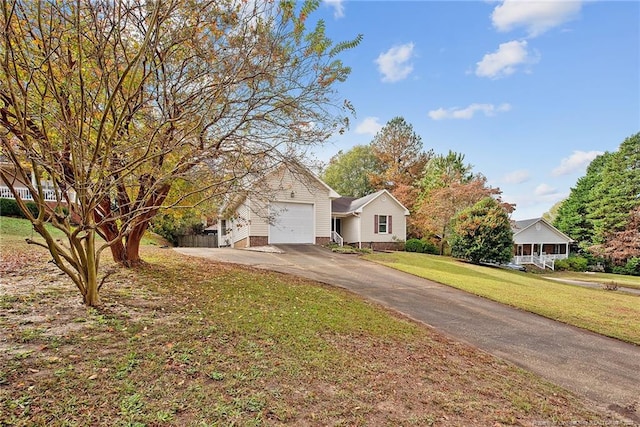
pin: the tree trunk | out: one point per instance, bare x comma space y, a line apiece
132, 249
90, 296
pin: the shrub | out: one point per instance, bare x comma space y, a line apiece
573, 263
414, 245
423, 246
429, 247
631, 268
172, 226
9, 207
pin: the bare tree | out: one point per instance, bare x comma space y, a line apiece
108, 103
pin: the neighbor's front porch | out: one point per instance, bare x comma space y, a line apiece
542, 255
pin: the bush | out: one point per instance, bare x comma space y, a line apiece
430, 247
414, 245
573, 263
421, 246
9, 207
631, 268
172, 226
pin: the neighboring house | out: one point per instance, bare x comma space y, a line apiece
538, 242
376, 221
21, 186
291, 206
295, 206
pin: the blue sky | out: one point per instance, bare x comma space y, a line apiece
529, 91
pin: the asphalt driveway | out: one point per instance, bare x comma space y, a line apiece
604, 370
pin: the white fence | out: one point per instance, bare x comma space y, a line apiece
541, 261
25, 194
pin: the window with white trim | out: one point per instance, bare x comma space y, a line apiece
382, 224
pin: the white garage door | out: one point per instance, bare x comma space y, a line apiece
291, 223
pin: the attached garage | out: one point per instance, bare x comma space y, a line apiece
291, 223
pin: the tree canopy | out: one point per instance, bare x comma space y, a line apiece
482, 233
349, 172
400, 152
600, 208
447, 187
109, 103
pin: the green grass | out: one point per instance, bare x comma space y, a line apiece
608, 313
602, 278
20, 229
16, 228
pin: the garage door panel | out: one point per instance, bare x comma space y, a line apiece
291, 223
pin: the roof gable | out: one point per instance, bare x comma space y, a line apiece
352, 205
265, 179
521, 228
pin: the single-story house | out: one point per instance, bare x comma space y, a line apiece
21, 186
376, 221
293, 205
538, 242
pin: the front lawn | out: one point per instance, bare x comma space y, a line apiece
184, 341
601, 278
608, 313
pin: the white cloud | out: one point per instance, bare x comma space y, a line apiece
577, 161
545, 190
369, 126
529, 205
468, 112
535, 16
338, 7
517, 177
505, 60
394, 64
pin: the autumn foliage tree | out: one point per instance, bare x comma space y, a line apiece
400, 153
623, 245
107, 104
448, 187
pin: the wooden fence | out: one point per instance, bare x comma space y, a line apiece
198, 241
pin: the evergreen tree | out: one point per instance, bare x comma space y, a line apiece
573, 217
482, 233
618, 191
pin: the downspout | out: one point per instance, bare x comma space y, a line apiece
359, 231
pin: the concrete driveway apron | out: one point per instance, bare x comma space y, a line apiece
604, 370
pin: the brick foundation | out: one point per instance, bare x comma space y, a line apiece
323, 241
255, 241
381, 246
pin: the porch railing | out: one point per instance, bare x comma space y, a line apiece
336, 238
25, 194
541, 261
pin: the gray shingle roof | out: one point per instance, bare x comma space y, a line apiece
521, 225
345, 205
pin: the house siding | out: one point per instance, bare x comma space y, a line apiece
279, 187
241, 226
350, 226
305, 190
383, 205
544, 235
